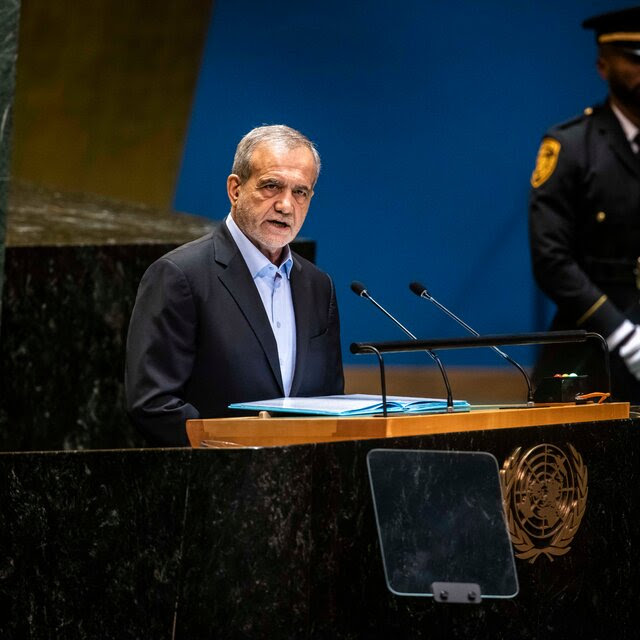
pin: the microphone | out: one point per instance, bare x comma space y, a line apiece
421, 291
360, 290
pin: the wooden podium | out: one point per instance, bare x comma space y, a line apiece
279, 431
299, 522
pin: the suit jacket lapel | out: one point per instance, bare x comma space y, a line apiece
302, 302
609, 126
237, 279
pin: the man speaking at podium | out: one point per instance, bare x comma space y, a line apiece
584, 214
236, 316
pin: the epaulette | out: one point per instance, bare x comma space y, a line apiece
576, 119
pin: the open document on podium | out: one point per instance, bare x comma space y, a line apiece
357, 404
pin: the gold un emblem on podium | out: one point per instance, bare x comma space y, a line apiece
545, 497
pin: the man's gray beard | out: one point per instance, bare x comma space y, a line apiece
240, 210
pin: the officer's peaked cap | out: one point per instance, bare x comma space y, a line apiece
620, 28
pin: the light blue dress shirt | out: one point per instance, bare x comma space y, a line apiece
274, 288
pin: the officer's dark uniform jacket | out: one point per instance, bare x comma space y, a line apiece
584, 223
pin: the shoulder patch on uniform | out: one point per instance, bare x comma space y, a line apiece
545, 162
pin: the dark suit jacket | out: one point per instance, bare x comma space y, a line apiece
199, 338
584, 222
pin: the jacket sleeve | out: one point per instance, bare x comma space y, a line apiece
554, 219
160, 355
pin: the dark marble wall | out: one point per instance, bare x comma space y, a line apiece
282, 543
9, 14
73, 264
65, 316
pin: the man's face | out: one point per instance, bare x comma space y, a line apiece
272, 204
621, 70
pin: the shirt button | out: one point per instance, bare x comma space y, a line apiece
278, 325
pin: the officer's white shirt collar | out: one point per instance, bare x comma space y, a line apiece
630, 129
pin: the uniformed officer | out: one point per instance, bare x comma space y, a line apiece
584, 214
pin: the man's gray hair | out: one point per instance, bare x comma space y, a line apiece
273, 135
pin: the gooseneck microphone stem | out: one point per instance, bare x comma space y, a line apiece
383, 384
422, 292
365, 294
359, 289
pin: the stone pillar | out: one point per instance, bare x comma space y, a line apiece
9, 14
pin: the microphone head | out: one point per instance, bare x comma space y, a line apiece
419, 289
358, 288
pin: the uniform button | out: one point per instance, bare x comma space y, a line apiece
588, 111
601, 216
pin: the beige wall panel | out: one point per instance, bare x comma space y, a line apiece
103, 95
478, 385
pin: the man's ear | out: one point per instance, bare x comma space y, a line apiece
233, 188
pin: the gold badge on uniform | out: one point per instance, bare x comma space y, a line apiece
545, 162
545, 496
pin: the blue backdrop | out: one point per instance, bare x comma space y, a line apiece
428, 117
